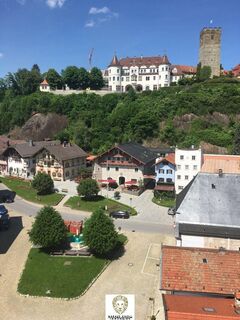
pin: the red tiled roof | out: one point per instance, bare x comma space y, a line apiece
181, 69
228, 163
114, 62
200, 270
170, 158
236, 70
192, 308
44, 82
144, 61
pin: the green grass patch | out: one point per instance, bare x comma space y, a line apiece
23, 189
165, 202
79, 203
65, 277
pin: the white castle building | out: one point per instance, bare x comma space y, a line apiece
144, 73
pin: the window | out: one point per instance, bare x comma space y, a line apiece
186, 166
166, 68
122, 78
178, 177
127, 79
212, 37
186, 177
169, 171
54, 174
195, 167
136, 169
108, 168
169, 180
162, 68
59, 174
179, 167
117, 70
117, 78
180, 187
116, 169
147, 78
161, 171
155, 87
67, 174
166, 76
154, 78
193, 157
159, 77
161, 180
181, 157
140, 78
113, 78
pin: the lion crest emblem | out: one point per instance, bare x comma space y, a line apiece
120, 304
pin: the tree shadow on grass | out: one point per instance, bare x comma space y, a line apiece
93, 198
7, 237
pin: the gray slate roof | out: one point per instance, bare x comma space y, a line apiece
66, 153
27, 150
138, 152
211, 200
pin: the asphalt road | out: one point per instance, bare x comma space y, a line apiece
132, 224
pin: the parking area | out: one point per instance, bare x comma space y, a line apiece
132, 273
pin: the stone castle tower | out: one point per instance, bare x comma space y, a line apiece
210, 49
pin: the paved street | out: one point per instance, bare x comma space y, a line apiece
136, 272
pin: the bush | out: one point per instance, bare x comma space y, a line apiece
48, 229
99, 233
43, 183
88, 188
113, 185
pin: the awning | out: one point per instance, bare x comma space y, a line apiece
107, 181
164, 187
132, 182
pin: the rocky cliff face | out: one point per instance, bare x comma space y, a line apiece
40, 127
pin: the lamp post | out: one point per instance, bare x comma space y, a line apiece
130, 200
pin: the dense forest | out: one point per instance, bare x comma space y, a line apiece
212, 110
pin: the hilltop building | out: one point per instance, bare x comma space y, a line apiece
210, 49
144, 73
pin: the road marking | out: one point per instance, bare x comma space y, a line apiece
147, 257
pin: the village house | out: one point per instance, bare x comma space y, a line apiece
195, 271
186, 307
61, 161
212, 163
165, 173
179, 72
207, 212
126, 164
44, 86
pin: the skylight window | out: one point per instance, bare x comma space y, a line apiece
209, 309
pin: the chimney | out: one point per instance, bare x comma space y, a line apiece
30, 143
237, 302
220, 172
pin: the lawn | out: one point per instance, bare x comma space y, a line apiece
24, 190
79, 203
64, 277
165, 202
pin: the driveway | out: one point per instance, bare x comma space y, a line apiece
136, 272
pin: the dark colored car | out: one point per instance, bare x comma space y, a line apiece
4, 217
120, 214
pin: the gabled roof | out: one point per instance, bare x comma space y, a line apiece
227, 163
5, 142
44, 82
199, 308
144, 61
70, 151
182, 69
169, 158
211, 199
29, 149
200, 270
138, 152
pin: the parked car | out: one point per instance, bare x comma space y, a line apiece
8, 198
4, 217
172, 211
120, 214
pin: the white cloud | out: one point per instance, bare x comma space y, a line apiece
105, 15
1, 55
90, 24
95, 10
55, 3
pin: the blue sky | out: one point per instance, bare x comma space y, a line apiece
58, 33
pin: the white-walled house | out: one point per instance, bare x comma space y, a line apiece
141, 73
127, 164
44, 86
188, 164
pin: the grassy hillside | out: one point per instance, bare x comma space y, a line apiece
182, 115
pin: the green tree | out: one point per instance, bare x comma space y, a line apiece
96, 79
99, 233
88, 188
54, 79
203, 73
48, 229
71, 77
84, 79
43, 183
236, 142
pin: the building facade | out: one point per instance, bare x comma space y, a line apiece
44, 86
188, 164
210, 49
